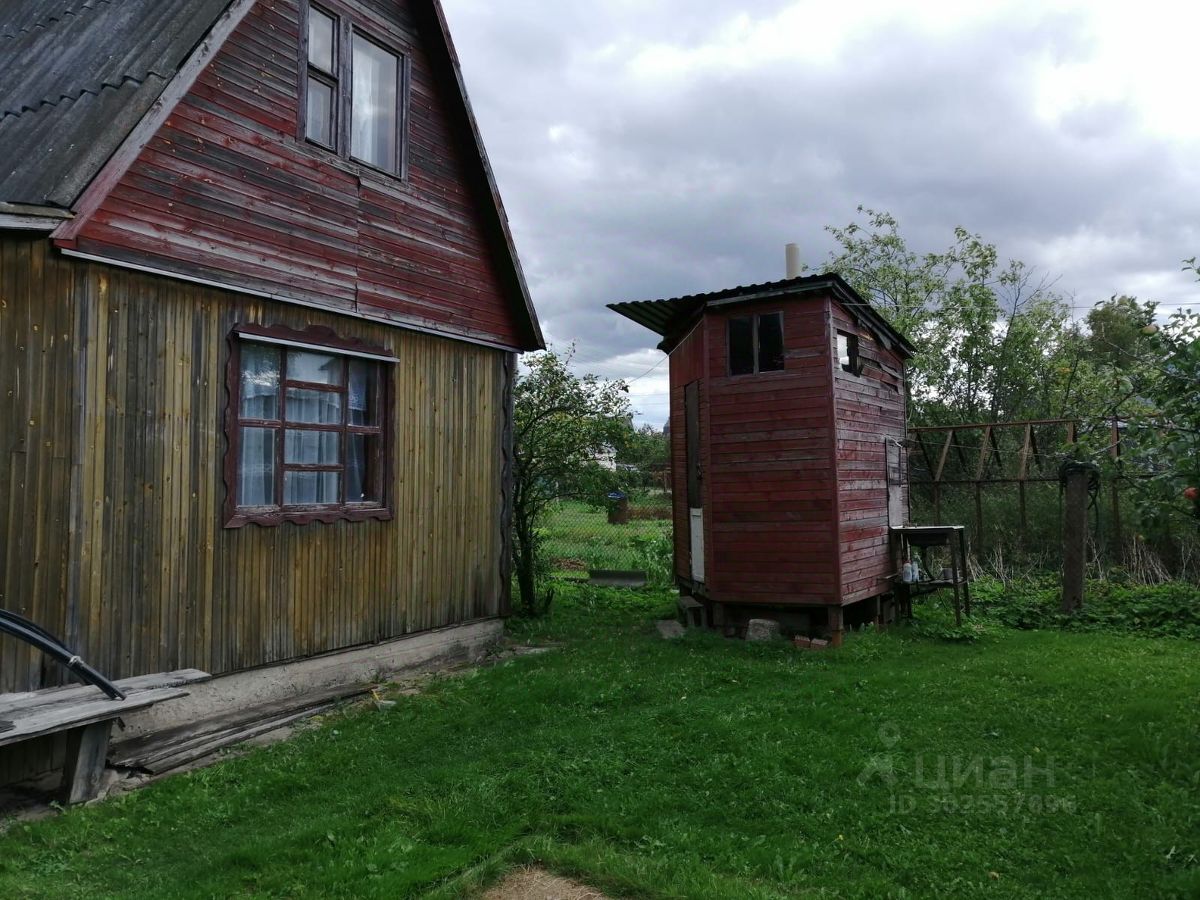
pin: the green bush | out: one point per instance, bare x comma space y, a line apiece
1164, 610
656, 555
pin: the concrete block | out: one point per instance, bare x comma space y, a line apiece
762, 630
670, 630
228, 693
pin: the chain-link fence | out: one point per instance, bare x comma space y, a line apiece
628, 531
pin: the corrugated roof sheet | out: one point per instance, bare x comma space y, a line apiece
667, 317
76, 76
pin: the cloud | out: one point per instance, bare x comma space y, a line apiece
658, 149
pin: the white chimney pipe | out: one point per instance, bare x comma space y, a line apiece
793, 261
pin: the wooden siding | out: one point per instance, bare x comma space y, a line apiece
37, 364
226, 191
769, 469
870, 410
113, 390
687, 365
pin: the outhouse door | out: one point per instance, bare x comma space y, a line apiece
695, 480
896, 461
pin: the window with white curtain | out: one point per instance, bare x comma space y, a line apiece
354, 97
308, 430
375, 104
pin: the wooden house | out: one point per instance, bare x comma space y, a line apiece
259, 311
787, 423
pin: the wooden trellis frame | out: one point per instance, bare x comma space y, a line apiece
935, 444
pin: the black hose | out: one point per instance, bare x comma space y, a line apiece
18, 627
30, 625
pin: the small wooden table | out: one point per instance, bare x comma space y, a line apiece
86, 715
921, 537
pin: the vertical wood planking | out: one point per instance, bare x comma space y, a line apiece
37, 439
130, 433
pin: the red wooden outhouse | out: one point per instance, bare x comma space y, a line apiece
787, 423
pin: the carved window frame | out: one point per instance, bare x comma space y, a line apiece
381, 463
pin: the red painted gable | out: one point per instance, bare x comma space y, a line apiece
225, 191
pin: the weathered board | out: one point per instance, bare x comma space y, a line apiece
687, 366
870, 410
794, 464
228, 191
113, 389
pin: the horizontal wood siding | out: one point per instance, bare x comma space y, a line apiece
687, 365
770, 466
225, 191
870, 410
123, 391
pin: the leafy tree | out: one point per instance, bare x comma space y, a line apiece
644, 457
1168, 435
1120, 331
987, 331
561, 424
1112, 355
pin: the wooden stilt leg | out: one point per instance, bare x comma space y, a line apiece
87, 750
835, 626
961, 574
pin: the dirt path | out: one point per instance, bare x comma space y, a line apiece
538, 884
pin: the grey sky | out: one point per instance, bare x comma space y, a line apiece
655, 149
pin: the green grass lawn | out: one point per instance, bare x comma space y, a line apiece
578, 537
1026, 764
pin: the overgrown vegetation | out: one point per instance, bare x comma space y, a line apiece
1026, 764
1163, 610
562, 426
998, 342
575, 536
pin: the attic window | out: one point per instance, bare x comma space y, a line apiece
847, 348
321, 119
756, 344
355, 92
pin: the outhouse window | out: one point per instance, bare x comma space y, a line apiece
756, 344
355, 92
847, 348
307, 431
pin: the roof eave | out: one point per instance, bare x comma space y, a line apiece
27, 217
674, 318
496, 219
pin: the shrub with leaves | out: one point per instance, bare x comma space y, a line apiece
561, 424
1162, 610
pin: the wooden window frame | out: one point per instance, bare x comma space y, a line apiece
345, 28
854, 367
332, 79
754, 318
380, 463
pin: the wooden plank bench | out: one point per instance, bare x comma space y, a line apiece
86, 715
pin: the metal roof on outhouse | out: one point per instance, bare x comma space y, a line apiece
669, 317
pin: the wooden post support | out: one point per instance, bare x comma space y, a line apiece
1114, 450
835, 626
87, 750
1024, 516
1074, 531
962, 570
979, 519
